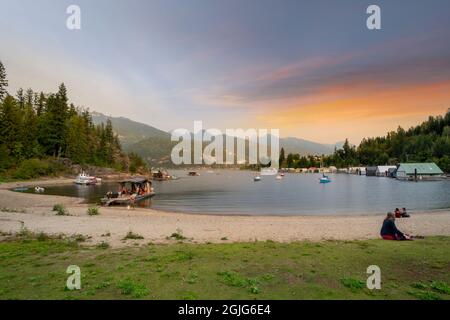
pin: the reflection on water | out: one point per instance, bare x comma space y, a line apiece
235, 192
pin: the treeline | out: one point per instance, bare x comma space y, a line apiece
35, 127
296, 161
427, 142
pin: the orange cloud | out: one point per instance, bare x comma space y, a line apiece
339, 112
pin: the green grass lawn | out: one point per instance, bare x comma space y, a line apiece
35, 268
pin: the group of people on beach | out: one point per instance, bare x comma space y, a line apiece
140, 190
401, 213
389, 230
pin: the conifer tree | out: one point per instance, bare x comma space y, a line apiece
3, 82
20, 96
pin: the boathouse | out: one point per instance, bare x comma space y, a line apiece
419, 171
371, 171
383, 171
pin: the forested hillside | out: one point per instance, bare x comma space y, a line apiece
37, 129
427, 142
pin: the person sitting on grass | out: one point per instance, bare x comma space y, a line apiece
397, 213
404, 214
389, 231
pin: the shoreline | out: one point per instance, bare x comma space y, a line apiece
157, 226
64, 181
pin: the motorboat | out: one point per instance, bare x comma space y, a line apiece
84, 179
160, 176
256, 178
325, 179
268, 171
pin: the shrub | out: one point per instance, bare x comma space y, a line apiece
419, 285
133, 236
12, 210
60, 210
424, 295
232, 278
103, 245
41, 236
136, 290
79, 238
32, 168
441, 287
353, 284
93, 211
178, 235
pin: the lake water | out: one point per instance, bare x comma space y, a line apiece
235, 192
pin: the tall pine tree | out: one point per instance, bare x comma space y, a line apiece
3, 82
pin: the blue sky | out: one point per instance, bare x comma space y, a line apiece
293, 65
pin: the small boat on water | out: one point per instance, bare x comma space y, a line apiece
20, 189
324, 179
193, 173
269, 171
256, 178
84, 179
39, 189
160, 176
131, 191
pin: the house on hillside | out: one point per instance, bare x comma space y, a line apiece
383, 171
419, 171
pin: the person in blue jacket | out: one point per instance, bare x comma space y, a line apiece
389, 230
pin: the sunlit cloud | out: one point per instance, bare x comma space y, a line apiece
360, 114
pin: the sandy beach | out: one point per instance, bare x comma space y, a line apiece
34, 212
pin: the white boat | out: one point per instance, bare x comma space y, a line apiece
84, 179
269, 171
39, 189
256, 178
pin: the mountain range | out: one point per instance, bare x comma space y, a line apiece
155, 145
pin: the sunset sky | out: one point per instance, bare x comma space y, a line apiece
310, 68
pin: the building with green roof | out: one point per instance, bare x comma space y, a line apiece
419, 171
